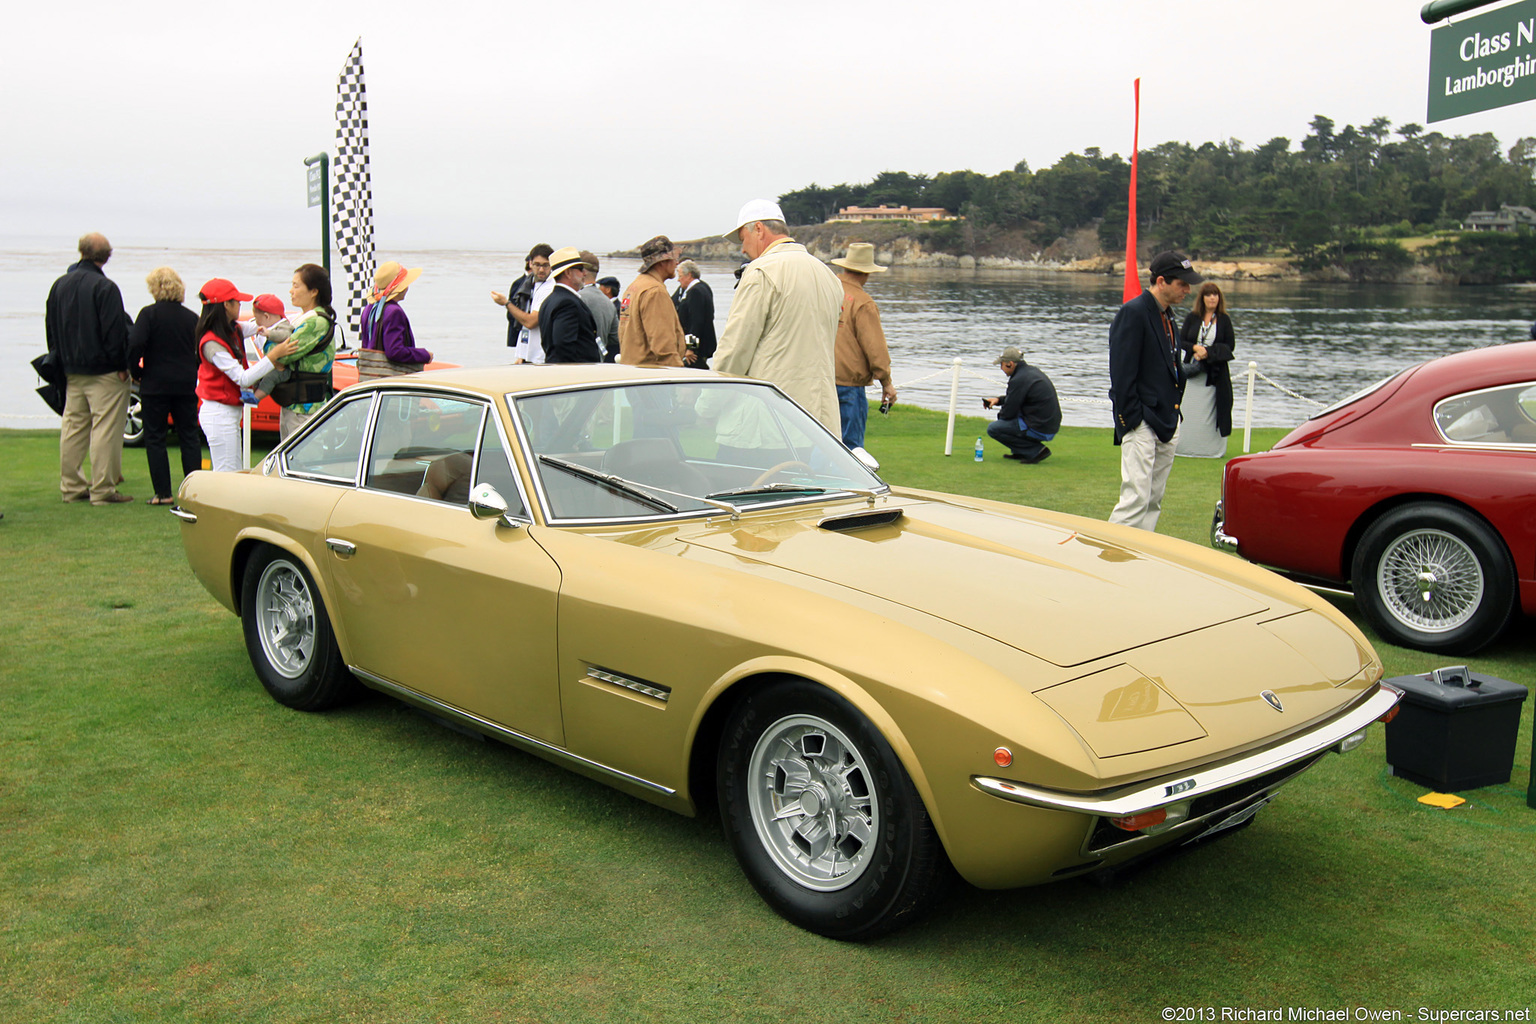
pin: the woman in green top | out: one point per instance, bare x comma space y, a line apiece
314, 332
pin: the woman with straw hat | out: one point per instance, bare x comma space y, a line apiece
388, 346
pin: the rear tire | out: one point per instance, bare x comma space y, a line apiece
289, 636
823, 818
1434, 577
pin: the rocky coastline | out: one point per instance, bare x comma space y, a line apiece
1073, 255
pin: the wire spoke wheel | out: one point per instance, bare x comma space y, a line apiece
812, 802
1430, 580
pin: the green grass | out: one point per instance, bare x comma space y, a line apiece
174, 846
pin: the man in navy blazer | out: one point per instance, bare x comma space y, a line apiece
567, 327
1146, 387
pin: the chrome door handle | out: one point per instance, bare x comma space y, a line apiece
344, 548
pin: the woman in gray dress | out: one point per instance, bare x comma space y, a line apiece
1205, 346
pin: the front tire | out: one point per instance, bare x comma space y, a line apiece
289, 636
1434, 577
823, 817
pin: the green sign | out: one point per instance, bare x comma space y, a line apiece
1483, 62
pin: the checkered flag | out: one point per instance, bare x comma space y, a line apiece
352, 192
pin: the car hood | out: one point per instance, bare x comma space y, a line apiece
1068, 591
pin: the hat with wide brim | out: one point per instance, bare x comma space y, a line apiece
860, 258
755, 210
391, 279
562, 260
221, 289
656, 250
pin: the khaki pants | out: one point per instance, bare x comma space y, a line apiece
1144, 465
95, 412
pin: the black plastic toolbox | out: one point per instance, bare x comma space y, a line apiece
1454, 729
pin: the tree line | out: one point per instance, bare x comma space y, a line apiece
1343, 196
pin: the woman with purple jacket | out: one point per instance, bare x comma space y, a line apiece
388, 346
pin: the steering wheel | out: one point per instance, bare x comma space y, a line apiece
769, 474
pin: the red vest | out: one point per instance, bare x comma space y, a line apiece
213, 384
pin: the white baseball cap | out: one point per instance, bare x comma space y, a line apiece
756, 209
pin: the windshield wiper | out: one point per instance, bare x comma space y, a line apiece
777, 488
618, 483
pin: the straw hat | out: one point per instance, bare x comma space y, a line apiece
391, 279
562, 260
861, 257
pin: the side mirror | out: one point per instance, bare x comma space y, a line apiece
486, 503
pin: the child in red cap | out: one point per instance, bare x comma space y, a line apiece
272, 324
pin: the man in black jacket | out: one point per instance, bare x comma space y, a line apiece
568, 329
87, 329
520, 295
696, 310
1146, 387
1028, 413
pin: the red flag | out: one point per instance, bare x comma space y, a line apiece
1132, 276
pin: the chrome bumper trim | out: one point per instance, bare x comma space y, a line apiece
1173, 789
1220, 539
509, 736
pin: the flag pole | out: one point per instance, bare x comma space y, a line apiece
1132, 274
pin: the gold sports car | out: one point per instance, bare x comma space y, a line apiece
679, 583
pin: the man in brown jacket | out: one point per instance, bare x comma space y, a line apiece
861, 355
650, 333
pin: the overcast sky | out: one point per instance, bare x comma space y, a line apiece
496, 125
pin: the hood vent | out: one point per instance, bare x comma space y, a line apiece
861, 520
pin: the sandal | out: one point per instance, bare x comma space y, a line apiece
157, 500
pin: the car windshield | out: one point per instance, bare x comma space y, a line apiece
637, 450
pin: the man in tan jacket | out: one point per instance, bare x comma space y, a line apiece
649, 332
862, 356
783, 322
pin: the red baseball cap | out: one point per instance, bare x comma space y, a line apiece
221, 290
269, 304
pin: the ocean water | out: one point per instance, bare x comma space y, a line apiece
1317, 342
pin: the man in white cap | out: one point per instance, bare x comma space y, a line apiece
783, 322
862, 355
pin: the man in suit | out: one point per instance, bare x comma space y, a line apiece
1146, 387
604, 312
566, 325
696, 310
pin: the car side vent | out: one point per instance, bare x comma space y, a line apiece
655, 691
861, 520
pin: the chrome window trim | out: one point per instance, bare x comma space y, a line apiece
1450, 442
284, 448
509, 736
1475, 446
1183, 786
530, 458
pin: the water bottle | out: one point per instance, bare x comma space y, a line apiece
978, 449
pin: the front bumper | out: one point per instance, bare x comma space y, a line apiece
1142, 797
1220, 539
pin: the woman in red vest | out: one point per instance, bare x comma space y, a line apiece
222, 370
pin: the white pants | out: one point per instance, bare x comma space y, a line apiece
1144, 465
221, 426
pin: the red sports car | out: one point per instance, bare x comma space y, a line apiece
264, 416
1418, 493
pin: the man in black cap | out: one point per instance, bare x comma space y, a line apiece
1146, 387
1028, 414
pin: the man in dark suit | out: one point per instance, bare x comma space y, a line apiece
566, 325
1146, 387
696, 310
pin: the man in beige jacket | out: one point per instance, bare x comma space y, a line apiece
783, 322
649, 332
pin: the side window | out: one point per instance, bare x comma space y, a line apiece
332, 448
495, 468
424, 446
1499, 416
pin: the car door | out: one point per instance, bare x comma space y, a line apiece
457, 608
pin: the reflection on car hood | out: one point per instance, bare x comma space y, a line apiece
1044, 588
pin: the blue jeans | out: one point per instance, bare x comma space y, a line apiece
853, 410
1024, 443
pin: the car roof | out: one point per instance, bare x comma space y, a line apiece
499, 380
1476, 369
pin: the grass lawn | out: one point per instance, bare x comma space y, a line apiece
174, 846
